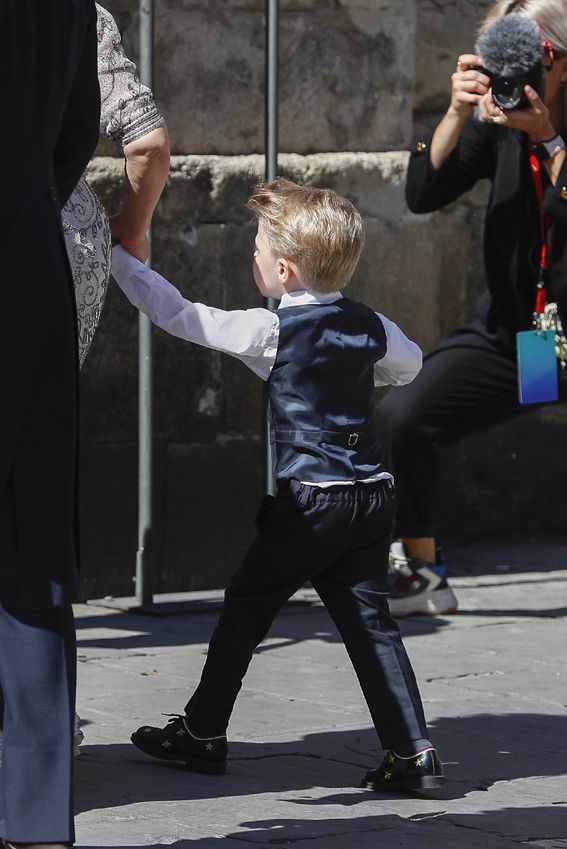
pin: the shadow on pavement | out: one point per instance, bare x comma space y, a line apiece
477, 752
529, 612
291, 627
295, 624
431, 829
501, 828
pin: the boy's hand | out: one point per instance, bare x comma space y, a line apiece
135, 243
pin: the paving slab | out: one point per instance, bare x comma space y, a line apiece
493, 680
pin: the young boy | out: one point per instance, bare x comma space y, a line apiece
331, 520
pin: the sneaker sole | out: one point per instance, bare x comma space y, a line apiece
436, 603
195, 764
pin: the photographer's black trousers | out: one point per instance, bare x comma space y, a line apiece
468, 383
339, 539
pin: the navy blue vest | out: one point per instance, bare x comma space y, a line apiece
321, 393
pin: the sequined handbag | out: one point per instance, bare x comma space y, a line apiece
87, 236
549, 319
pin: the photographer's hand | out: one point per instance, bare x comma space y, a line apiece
534, 120
469, 85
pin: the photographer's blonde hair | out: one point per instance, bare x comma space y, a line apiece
550, 15
317, 229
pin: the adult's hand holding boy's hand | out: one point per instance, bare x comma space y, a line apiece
135, 243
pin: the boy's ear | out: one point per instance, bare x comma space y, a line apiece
284, 270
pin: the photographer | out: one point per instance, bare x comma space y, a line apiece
470, 380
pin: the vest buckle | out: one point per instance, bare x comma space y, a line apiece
352, 440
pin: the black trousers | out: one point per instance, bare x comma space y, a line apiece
338, 539
468, 383
37, 677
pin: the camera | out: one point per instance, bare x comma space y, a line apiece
508, 91
514, 55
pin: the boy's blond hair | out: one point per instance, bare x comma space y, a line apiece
317, 229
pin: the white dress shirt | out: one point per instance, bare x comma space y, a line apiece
249, 335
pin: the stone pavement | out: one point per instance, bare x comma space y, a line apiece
493, 680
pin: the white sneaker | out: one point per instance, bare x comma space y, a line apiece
419, 587
78, 736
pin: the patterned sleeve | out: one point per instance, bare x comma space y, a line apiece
128, 111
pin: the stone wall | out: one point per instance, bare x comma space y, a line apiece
347, 70
444, 30
346, 73
355, 74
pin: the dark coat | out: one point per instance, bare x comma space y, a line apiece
512, 229
51, 101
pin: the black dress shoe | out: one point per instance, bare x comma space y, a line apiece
176, 742
420, 772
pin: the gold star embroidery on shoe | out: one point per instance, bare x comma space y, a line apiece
419, 762
209, 747
166, 744
181, 732
391, 759
147, 730
387, 776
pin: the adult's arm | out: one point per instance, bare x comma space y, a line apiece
472, 159
79, 131
536, 123
129, 115
128, 110
460, 151
145, 175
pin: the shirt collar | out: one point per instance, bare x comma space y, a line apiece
306, 296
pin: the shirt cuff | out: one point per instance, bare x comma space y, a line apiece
122, 262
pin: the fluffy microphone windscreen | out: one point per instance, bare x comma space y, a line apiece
511, 46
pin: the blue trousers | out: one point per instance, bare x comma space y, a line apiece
37, 677
339, 539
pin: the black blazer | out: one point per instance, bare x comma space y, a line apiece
51, 103
512, 241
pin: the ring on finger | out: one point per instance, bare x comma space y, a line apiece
459, 65
501, 119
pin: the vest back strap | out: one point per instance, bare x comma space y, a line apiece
342, 438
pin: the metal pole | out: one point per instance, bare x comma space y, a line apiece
272, 87
272, 110
144, 556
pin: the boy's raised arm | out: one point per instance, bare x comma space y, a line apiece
403, 359
250, 335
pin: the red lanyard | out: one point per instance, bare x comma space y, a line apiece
541, 291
